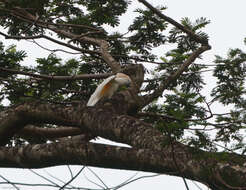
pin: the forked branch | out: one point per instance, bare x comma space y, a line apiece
103, 45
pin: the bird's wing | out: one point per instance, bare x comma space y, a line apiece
106, 88
100, 91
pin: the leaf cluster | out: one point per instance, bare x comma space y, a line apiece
147, 31
185, 43
230, 73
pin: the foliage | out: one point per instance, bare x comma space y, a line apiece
183, 111
230, 90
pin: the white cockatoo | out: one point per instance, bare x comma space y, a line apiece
108, 87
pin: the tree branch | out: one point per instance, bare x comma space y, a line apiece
122, 128
205, 46
48, 133
158, 92
50, 39
105, 121
76, 152
176, 24
17, 118
58, 78
108, 58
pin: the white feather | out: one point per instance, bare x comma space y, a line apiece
95, 97
115, 81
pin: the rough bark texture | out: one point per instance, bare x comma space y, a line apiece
151, 150
112, 119
208, 168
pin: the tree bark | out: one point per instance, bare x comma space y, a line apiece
151, 150
207, 168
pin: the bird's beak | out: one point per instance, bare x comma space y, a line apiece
129, 84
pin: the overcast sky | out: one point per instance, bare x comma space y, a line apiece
226, 30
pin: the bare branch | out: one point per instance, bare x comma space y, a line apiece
45, 178
58, 78
56, 178
70, 171
9, 182
50, 39
53, 50
97, 176
73, 178
130, 180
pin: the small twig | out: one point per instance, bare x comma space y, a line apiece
161, 78
73, 178
128, 181
100, 186
56, 178
46, 179
9, 182
97, 177
155, 115
175, 162
70, 171
50, 39
200, 129
33, 184
54, 50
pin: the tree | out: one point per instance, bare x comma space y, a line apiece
154, 116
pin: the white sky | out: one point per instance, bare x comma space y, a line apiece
226, 30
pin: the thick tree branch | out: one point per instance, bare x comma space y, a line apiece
122, 128
48, 133
17, 118
102, 120
208, 170
10, 123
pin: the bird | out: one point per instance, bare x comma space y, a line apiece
108, 87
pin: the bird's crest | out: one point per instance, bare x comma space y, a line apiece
122, 75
